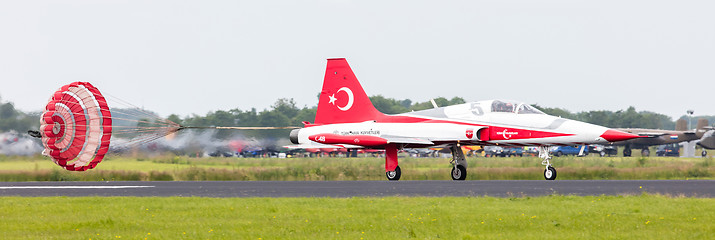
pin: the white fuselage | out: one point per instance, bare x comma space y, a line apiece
470, 123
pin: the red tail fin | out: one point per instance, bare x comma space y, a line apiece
342, 99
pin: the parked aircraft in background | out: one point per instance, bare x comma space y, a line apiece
707, 141
651, 137
347, 119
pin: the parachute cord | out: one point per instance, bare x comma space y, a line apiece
236, 128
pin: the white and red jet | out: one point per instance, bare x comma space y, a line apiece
347, 119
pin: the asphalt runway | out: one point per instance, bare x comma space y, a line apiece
341, 189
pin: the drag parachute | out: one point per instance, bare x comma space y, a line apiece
76, 127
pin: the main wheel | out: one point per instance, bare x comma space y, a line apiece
704, 153
645, 152
394, 175
459, 173
627, 152
550, 173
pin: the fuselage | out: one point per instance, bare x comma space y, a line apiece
491, 122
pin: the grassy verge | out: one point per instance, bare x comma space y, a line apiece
168, 168
550, 217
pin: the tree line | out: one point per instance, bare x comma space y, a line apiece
12, 119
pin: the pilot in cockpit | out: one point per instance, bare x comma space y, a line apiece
499, 106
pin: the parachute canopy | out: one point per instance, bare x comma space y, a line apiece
76, 127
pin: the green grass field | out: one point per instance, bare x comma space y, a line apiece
550, 217
168, 168
183, 168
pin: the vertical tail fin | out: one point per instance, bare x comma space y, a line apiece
343, 99
702, 123
681, 125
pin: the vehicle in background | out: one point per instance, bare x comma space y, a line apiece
421, 152
707, 141
493, 151
513, 151
610, 150
668, 150
531, 151
597, 149
497, 151
472, 150
569, 150
602, 150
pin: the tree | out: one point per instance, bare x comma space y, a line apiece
7, 111
387, 105
305, 114
274, 119
286, 107
174, 118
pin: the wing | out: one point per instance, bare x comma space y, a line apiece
407, 140
320, 145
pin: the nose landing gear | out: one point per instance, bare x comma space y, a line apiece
550, 171
459, 171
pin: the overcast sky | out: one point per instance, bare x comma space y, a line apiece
194, 57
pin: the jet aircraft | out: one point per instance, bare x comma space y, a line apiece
651, 137
346, 118
707, 141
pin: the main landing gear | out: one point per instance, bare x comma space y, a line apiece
550, 171
393, 171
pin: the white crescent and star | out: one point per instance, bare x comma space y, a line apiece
351, 99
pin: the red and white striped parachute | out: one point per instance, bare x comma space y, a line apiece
76, 127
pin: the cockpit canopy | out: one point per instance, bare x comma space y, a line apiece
513, 107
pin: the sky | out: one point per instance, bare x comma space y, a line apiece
193, 57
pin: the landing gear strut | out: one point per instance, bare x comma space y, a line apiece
392, 170
459, 171
550, 171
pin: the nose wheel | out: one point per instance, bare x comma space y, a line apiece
459, 173
550, 173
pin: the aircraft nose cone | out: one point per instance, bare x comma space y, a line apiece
615, 136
